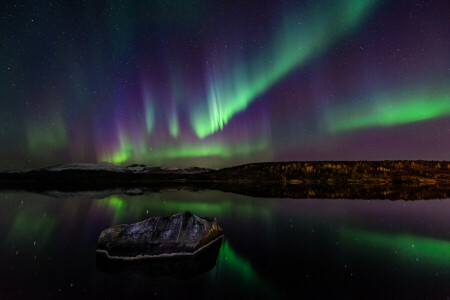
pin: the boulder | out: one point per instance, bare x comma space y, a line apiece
179, 235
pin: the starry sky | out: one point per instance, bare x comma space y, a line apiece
219, 83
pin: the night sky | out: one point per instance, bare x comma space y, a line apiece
219, 83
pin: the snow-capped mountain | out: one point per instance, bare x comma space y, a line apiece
107, 167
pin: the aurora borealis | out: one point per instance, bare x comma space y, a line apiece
219, 83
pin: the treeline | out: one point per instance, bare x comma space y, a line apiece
338, 171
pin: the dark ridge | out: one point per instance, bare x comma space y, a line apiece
409, 180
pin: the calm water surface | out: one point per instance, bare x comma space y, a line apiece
274, 248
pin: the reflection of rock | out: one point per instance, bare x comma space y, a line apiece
134, 192
181, 245
183, 267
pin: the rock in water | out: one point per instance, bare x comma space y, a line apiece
183, 234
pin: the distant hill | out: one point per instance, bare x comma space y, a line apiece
107, 167
327, 179
420, 171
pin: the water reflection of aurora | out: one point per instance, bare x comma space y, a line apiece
78, 221
122, 208
36, 221
412, 249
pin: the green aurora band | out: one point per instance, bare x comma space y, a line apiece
235, 262
141, 152
409, 247
33, 225
241, 269
122, 208
174, 128
297, 42
46, 135
390, 109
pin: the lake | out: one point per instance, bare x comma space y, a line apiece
272, 248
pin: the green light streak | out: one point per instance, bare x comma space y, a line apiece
124, 152
301, 38
149, 116
219, 149
114, 204
390, 109
173, 125
177, 96
149, 109
50, 135
130, 208
229, 262
406, 246
31, 223
127, 150
239, 266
